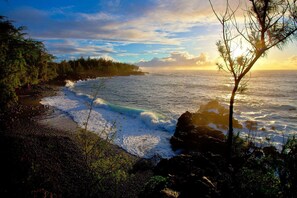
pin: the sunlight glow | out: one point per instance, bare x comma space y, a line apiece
239, 51
240, 48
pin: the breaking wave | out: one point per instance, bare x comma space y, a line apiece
140, 132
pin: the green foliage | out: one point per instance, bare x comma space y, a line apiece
258, 177
23, 61
265, 172
8, 95
154, 186
90, 68
290, 147
109, 169
258, 183
288, 174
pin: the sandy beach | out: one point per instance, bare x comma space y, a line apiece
40, 154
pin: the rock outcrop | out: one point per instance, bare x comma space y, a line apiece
189, 136
195, 131
214, 113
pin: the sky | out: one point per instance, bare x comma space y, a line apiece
153, 34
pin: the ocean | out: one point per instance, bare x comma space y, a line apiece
140, 112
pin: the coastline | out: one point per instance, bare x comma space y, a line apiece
41, 157
41, 154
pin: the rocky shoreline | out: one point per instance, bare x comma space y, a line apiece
204, 170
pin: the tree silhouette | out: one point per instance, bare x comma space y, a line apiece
265, 24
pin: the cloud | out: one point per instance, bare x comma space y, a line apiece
101, 26
73, 48
100, 16
178, 59
106, 57
293, 59
158, 22
146, 22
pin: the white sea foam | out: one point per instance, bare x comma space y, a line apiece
153, 121
69, 83
140, 133
100, 103
141, 145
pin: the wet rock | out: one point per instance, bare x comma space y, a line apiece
200, 131
214, 113
189, 136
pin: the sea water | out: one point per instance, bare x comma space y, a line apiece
141, 112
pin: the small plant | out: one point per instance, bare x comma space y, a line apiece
107, 168
252, 131
287, 171
154, 186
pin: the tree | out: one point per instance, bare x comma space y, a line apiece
266, 24
23, 61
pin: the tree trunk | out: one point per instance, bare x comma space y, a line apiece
230, 132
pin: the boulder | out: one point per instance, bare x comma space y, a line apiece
199, 131
214, 113
190, 136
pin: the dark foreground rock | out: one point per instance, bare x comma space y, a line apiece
193, 175
189, 136
216, 114
194, 131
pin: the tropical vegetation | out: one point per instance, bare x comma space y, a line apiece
25, 62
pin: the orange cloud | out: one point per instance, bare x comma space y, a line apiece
181, 60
